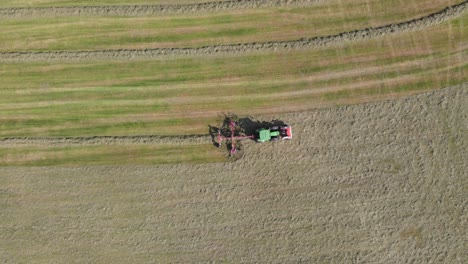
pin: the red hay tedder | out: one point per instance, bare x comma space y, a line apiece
231, 139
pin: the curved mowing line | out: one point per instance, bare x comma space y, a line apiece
148, 10
316, 42
104, 140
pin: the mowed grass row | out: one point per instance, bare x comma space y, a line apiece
112, 154
183, 96
44, 3
250, 25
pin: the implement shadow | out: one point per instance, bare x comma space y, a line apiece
249, 126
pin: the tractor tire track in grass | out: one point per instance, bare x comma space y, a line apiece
104, 140
229, 49
148, 10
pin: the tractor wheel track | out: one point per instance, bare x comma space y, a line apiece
13, 142
230, 49
148, 10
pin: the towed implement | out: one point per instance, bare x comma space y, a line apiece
232, 139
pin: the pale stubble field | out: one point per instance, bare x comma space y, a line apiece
373, 183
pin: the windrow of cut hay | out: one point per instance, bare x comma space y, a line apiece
104, 140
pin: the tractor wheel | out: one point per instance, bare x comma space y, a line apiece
274, 139
274, 128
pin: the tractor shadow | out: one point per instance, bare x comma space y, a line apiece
245, 126
213, 131
250, 126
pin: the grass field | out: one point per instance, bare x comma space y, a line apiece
251, 25
184, 95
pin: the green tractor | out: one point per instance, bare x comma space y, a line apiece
273, 133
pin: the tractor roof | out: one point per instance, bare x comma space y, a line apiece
264, 135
